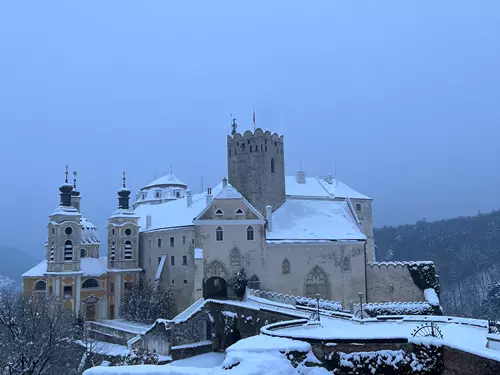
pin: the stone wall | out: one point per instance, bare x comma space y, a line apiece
391, 282
457, 362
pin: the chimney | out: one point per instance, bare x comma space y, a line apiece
224, 182
189, 197
209, 196
148, 221
269, 217
301, 177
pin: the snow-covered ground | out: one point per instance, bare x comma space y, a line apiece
105, 348
208, 360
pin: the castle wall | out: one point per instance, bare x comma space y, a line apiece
391, 282
150, 254
342, 285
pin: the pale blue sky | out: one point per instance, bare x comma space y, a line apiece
403, 96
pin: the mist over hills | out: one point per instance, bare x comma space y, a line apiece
466, 251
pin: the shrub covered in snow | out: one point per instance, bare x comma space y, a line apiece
324, 305
399, 308
239, 282
146, 303
139, 356
425, 360
424, 275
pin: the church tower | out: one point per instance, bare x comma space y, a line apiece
64, 233
256, 167
123, 249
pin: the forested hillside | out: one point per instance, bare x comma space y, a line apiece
15, 262
466, 251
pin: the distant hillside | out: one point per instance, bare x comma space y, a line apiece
15, 262
466, 251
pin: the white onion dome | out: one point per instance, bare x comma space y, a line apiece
89, 231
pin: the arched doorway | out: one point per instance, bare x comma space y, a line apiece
90, 308
216, 288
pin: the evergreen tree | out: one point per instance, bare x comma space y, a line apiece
239, 282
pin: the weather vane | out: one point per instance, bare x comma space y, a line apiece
234, 125
74, 179
66, 178
124, 179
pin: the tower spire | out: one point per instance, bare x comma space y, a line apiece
124, 178
74, 179
66, 178
124, 195
171, 169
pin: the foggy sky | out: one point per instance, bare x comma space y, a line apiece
402, 96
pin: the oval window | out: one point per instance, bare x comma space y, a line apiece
68, 230
128, 231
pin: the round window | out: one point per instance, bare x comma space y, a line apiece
68, 230
128, 231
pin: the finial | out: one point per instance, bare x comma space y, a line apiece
253, 118
74, 179
170, 168
124, 179
234, 125
66, 178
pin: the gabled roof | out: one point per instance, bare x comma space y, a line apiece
230, 192
169, 179
315, 187
313, 220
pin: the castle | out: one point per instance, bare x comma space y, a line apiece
297, 235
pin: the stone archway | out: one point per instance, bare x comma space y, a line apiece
215, 288
316, 283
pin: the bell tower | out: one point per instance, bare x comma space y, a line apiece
256, 166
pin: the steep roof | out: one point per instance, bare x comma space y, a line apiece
320, 188
174, 213
169, 179
314, 219
89, 267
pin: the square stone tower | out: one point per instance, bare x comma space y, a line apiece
256, 167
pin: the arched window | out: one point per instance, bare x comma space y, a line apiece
272, 165
316, 283
68, 250
234, 257
40, 286
51, 255
285, 267
90, 283
128, 250
253, 282
215, 268
346, 264
249, 233
219, 234
112, 252
83, 253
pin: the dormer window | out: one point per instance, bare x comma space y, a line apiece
157, 194
219, 212
239, 211
144, 195
177, 194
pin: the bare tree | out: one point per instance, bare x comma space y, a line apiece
36, 335
94, 352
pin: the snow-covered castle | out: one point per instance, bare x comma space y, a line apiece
297, 235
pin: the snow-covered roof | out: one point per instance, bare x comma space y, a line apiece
89, 267
174, 213
320, 188
169, 179
303, 219
89, 231
229, 192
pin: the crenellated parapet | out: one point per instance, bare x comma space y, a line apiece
257, 133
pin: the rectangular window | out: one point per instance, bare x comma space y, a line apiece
185, 282
159, 260
184, 260
111, 287
172, 260
173, 282
358, 206
149, 261
68, 292
192, 241
159, 242
149, 244
172, 242
183, 240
